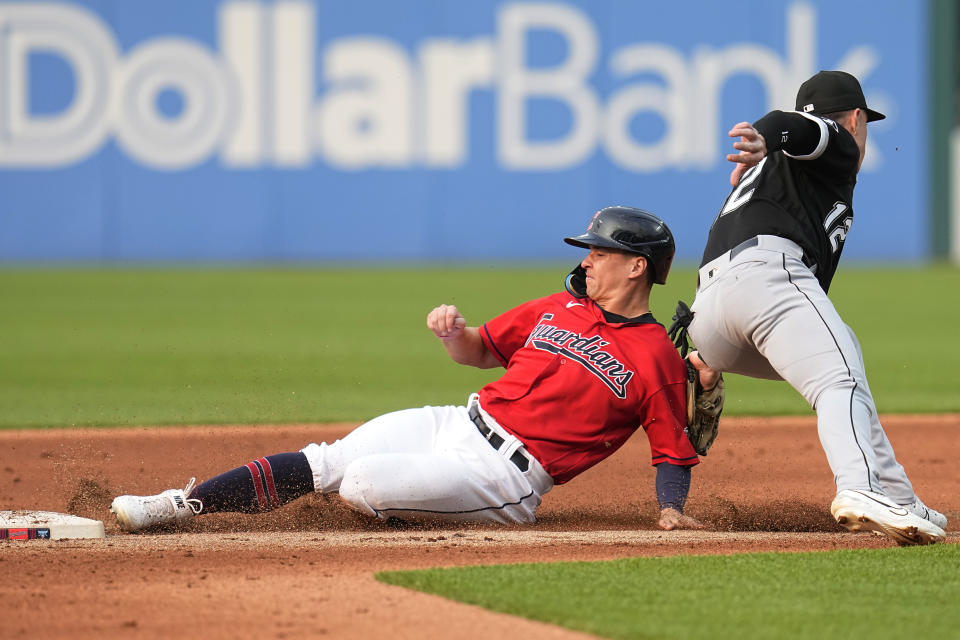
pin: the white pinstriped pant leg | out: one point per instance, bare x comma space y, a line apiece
766, 316
893, 477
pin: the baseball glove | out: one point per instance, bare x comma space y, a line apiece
703, 405
703, 410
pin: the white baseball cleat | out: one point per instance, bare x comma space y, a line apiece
859, 510
140, 512
922, 510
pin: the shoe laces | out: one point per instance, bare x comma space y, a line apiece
921, 510
162, 505
194, 503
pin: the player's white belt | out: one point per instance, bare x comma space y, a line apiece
520, 457
711, 271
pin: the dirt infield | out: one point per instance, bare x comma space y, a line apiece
306, 570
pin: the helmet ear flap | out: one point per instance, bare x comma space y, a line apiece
660, 269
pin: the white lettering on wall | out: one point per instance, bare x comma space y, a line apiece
566, 82
254, 98
89, 48
364, 120
670, 102
450, 70
191, 136
294, 36
241, 41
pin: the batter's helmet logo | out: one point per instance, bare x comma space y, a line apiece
590, 224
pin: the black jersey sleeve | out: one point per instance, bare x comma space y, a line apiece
829, 149
799, 135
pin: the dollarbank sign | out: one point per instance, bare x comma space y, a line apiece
268, 88
385, 107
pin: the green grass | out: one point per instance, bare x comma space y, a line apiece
180, 346
887, 593
186, 346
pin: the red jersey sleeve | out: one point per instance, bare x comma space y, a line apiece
509, 331
664, 420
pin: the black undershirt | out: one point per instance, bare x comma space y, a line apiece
614, 318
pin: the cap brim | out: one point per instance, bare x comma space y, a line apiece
873, 116
588, 240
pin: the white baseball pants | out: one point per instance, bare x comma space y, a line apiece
763, 314
429, 464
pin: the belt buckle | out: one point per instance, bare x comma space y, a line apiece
485, 430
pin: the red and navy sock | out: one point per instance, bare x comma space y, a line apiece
261, 485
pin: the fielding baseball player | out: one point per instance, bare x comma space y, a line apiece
762, 310
582, 374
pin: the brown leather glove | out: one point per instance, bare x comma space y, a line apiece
703, 410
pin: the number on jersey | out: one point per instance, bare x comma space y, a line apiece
741, 195
840, 227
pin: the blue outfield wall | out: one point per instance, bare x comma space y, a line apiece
422, 129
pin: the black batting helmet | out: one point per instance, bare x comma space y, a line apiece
633, 230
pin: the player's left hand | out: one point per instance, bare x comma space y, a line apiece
752, 148
671, 519
446, 322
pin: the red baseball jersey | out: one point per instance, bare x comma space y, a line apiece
576, 386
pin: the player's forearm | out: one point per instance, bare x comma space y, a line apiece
468, 348
793, 132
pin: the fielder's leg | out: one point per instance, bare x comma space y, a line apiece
811, 348
770, 304
893, 476
766, 316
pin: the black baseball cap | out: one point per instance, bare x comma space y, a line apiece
833, 91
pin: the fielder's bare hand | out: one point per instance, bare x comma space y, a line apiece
708, 377
446, 322
751, 146
671, 519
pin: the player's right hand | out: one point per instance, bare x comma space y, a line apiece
671, 519
751, 149
446, 322
708, 377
